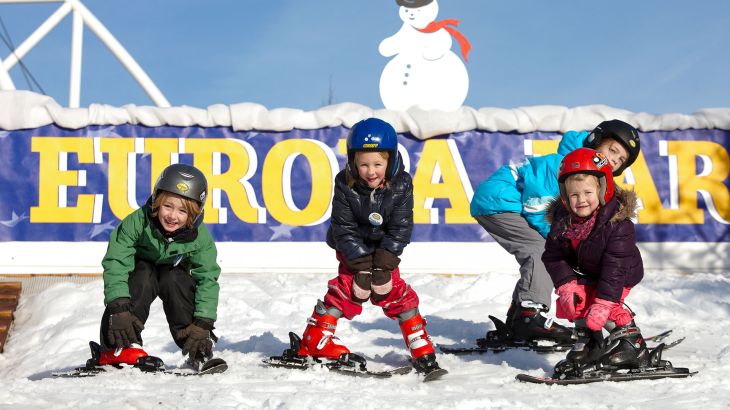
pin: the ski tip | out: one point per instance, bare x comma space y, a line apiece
527, 378
434, 375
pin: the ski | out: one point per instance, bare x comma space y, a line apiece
611, 376
434, 375
567, 372
350, 364
212, 366
146, 364
499, 340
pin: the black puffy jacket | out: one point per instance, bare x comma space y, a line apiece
351, 232
608, 258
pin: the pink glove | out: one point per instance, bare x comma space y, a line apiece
598, 313
569, 295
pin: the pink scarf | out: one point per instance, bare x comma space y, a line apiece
579, 228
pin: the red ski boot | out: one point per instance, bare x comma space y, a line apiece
319, 338
421, 347
127, 355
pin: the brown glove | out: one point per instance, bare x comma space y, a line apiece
361, 286
197, 339
382, 284
385, 260
124, 327
363, 263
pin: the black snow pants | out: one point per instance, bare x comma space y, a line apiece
173, 285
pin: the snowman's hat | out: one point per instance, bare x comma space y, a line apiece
413, 4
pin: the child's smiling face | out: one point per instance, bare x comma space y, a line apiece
371, 167
172, 213
614, 151
582, 192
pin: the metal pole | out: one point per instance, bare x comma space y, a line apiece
121, 54
6, 83
36, 36
77, 39
31, 1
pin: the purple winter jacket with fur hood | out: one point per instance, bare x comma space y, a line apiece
608, 258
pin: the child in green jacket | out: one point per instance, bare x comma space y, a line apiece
162, 250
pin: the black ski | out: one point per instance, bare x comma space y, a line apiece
349, 364
434, 375
500, 340
611, 376
212, 366
567, 372
351, 367
147, 364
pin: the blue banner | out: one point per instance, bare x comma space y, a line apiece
76, 185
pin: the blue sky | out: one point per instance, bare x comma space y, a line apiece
656, 56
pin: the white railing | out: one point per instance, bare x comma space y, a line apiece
81, 17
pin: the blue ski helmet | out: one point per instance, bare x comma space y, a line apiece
373, 134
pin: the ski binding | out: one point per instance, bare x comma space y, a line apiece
145, 364
350, 364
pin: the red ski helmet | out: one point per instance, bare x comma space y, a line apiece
591, 162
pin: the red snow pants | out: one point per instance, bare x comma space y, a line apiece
402, 297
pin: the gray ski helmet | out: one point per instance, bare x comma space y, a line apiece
184, 180
622, 132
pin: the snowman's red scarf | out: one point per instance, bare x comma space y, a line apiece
435, 26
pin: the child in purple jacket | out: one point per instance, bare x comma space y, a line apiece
592, 258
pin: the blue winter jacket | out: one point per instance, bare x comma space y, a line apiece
526, 188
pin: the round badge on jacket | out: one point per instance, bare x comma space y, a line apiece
375, 219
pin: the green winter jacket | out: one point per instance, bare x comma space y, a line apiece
137, 238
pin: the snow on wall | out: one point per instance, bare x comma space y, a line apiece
25, 109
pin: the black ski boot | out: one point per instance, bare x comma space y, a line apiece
428, 366
625, 348
588, 347
529, 322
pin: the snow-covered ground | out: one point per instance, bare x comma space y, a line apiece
52, 330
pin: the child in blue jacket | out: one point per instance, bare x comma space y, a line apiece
511, 205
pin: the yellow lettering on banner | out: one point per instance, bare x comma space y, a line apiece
652, 211
161, 151
440, 161
342, 146
683, 175
118, 184
234, 182
276, 178
51, 178
544, 147
716, 169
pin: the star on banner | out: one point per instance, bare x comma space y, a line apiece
281, 232
14, 220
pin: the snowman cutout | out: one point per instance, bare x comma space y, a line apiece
424, 72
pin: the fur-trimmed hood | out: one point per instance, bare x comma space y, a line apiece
626, 199
608, 258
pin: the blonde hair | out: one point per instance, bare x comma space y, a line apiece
582, 177
191, 207
351, 180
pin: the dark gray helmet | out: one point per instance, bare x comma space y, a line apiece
184, 180
413, 4
622, 132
